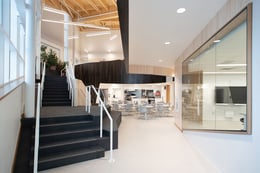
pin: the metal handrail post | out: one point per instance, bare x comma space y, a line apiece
111, 123
101, 121
37, 131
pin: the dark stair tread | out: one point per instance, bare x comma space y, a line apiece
69, 131
71, 141
66, 123
65, 118
72, 153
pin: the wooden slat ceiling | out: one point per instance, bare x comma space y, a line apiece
97, 12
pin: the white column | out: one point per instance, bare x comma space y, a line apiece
38, 39
30, 59
66, 43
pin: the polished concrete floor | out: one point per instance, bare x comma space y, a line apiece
146, 146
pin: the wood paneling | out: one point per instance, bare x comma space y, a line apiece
143, 69
97, 12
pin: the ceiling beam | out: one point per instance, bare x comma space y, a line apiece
93, 5
103, 16
80, 6
72, 8
103, 5
114, 2
52, 4
67, 8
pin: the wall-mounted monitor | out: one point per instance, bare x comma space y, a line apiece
231, 94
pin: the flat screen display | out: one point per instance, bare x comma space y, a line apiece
232, 94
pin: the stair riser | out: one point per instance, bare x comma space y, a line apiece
58, 92
56, 104
55, 90
71, 160
60, 128
56, 100
56, 96
48, 151
64, 137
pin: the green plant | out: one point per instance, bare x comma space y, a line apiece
49, 57
52, 59
44, 55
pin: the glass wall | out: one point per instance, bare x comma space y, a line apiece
12, 38
216, 91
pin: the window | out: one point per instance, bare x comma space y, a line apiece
12, 43
216, 80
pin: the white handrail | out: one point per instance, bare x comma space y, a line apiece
37, 131
70, 77
102, 106
42, 81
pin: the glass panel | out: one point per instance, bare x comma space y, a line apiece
6, 62
14, 22
1, 59
13, 65
214, 95
1, 11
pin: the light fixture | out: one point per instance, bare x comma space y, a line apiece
231, 65
217, 41
160, 60
113, 37
235, 72
167, 43
73, 37
76, 24
92, 34
181, 10
53, 10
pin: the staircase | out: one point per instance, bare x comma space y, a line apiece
55, 91
69, 139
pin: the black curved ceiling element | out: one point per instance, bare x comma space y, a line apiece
112, 72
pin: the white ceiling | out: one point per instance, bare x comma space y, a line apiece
52, 32
151, 23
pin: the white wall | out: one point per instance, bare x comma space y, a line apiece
11, 108
210, 110
232, 153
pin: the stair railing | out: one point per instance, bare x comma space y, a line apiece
71, 84
102, 107
37, 130
42, 81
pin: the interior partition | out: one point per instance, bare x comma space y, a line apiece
216, 81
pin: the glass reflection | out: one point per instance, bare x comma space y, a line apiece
214, 94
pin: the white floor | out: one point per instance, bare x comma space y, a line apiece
146, 146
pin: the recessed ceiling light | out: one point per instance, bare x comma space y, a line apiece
160, 60
216, 41
167, 42
181, 10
